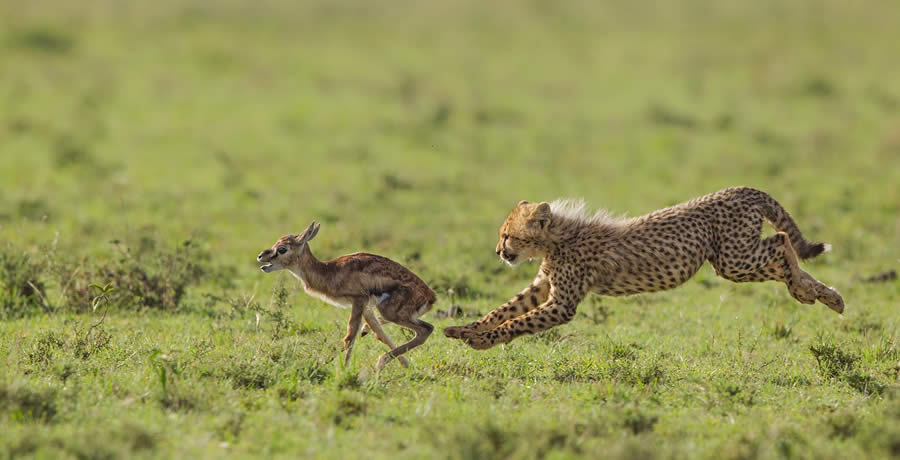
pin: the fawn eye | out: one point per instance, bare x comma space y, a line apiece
282, 250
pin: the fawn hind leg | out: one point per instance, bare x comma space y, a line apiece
401, 307
774, 258
422, 330
375, 325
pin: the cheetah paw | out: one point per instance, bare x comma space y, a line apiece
832, 299
455, 332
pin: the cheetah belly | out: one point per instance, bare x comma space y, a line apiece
656, 273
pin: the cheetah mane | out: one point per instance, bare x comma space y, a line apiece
575, 210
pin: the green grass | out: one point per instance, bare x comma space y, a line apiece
410, 130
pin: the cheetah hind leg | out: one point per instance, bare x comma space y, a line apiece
784, 267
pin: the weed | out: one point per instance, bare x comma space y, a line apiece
835, 363
277, 314
95, 338
666, 116
348, 380
347, 405
44, 39
461, 286
291, 391
41, 352
24, 403
21, 287
865, 384
842, 425
230, 428
137, 438
599, 312
782, 330
577, 370
639, 421
170, 398
35, 209
831, 358
253, 374
621, 351
818, 86
548, 337
143, 278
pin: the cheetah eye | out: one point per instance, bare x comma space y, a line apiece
282, 250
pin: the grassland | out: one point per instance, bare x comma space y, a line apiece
156, 147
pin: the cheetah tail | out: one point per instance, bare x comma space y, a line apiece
782, 221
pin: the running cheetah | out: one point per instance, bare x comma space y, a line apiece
658, 251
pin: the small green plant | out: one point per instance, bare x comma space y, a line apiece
166, 371
95, 338
782, 330
277, 313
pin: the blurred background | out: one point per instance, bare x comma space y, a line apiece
411, 128
156, 147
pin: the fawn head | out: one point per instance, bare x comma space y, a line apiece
286, 251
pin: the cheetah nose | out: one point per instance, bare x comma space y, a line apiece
498, 252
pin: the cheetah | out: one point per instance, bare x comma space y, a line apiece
621, 256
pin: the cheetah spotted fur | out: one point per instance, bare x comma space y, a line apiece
654, 252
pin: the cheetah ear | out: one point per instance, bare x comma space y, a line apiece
541, 215
522, 203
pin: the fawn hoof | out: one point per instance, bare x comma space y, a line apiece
382, 361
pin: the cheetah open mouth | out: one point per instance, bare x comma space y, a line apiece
511, 260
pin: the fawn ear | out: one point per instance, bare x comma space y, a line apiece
313, 230
308, 234
541, 215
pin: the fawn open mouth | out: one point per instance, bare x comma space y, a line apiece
266, 268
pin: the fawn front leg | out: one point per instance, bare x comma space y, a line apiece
527, 300
356, 316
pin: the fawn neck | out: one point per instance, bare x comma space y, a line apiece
308, 269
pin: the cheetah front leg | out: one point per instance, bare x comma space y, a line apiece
529, 299
559, 309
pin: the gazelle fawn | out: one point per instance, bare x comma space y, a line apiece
356, 281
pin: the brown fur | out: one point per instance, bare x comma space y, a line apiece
661, 250
355, 281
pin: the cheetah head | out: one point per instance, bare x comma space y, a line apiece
524, 235
286, 251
